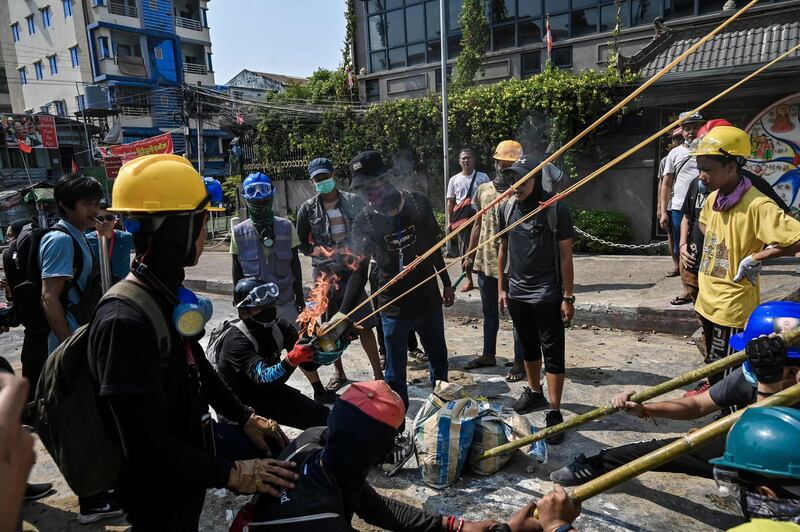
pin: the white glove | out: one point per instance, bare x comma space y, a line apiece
749, 268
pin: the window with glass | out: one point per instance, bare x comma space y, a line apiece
373, 90
37, 70
23, 75
562, 57
31, 24
530, 64
53, 59
67, 5
404, 33
15, 31
46, 18
61, 107
74, 57
80, 102
105, 49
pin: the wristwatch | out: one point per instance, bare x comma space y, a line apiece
569, 299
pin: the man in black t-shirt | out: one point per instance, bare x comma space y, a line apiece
249, 360
691, 243
394, 229
536, 286
768, 369
155, 396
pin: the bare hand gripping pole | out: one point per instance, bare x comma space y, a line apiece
555, 155
576, 186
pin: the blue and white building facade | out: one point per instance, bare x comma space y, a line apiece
142, 51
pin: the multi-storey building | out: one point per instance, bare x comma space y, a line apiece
397, 53
141, 51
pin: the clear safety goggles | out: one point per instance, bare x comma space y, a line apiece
258, 190
265, 294
727, 482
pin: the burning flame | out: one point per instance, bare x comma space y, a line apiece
326, 285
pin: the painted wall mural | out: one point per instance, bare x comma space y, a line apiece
775, 138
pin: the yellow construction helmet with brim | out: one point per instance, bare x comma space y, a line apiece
508, 150
725, 141
160, 183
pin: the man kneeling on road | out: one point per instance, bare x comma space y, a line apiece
770, 367
249, 362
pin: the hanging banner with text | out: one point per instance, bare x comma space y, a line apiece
37, 131
115, 156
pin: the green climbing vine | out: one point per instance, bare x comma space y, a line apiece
474, 38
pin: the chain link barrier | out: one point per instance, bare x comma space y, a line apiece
616, 245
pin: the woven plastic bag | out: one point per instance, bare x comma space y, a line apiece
443, 441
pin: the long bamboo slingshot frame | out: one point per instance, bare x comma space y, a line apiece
413, 264
791, 338
681, 446
574, 187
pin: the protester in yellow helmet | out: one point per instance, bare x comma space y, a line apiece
484, 260
738, 223
154, 381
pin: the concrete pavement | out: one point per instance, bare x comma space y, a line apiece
628, 292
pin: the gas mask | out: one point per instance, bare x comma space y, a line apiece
191, 313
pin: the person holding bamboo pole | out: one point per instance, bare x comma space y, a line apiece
770, 367
536, 288
742, 227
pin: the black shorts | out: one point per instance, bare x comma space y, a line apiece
717, 341
541, 331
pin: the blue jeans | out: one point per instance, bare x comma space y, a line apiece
430, 327
675, 218
491, 319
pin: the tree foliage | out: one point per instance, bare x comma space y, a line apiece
474, 39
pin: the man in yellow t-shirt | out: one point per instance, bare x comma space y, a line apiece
742, 228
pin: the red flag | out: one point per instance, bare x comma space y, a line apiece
24, 147
75, 168
548, 37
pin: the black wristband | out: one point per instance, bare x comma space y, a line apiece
564, 528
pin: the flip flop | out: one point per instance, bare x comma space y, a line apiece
516, 375
467, 288
679, 300
336, 383
672, 273
480, 362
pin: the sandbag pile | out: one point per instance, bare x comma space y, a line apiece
452, 430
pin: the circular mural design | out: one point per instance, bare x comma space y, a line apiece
775, 139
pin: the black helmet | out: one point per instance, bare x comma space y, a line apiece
253, 292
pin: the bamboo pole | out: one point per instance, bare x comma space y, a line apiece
555, 155
574, 187
687, 443
791, 338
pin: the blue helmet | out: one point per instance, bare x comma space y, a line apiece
214, 189
768, 318
257, 187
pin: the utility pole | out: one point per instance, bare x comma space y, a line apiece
85, 127
445, 132
200, 144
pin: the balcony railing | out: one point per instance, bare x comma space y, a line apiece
119, 7
135, 111
192, 68
188, 23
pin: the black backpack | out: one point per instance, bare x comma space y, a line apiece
24, 276
66, 411
551, 215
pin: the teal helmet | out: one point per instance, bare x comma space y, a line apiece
764, 441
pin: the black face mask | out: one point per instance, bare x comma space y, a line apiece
265, 317
533, 199
384, 199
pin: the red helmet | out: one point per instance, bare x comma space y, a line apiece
711, 124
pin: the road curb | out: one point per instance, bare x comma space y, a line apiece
631, 318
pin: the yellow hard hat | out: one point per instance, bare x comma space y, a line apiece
727, 141
159, 184
508, 150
